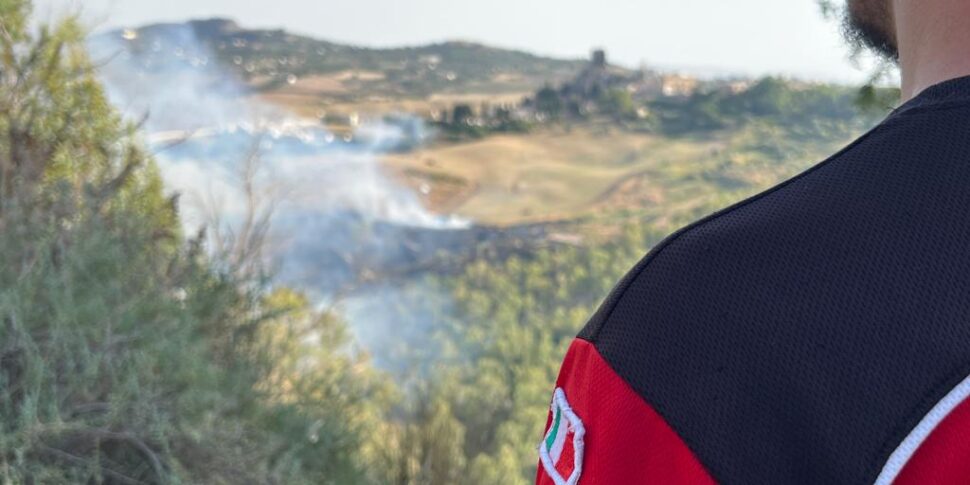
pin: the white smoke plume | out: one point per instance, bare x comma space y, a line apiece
338, 220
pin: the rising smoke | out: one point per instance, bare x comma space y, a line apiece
340, 228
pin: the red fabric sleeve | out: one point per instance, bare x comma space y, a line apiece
624, 441
944, 458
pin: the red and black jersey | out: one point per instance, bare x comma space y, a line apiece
817, 333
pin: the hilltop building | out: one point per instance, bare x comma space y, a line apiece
596, 78
599, 89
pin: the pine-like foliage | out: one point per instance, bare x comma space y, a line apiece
126, 356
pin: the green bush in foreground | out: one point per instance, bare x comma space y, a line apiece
126, 356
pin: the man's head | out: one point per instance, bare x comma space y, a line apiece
870, 23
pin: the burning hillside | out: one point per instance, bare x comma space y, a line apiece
316, 203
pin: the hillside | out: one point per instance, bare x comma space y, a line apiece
280, 61
597, 143
606, 178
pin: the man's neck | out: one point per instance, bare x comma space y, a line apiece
933, 36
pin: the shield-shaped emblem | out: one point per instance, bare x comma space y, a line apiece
561, 451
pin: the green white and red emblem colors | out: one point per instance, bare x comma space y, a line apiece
561, 451
607, 434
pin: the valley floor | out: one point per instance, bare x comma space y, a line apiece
603, 174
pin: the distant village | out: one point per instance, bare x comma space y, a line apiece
577, 98
599, 90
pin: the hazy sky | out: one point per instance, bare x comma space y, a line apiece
745, 36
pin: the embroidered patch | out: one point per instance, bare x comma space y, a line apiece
561, 451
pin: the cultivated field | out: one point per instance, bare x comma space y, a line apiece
601, 174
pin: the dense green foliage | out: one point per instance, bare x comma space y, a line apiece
619, 103
784, 103
548, 102
483, 369
126, 354
516, 321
